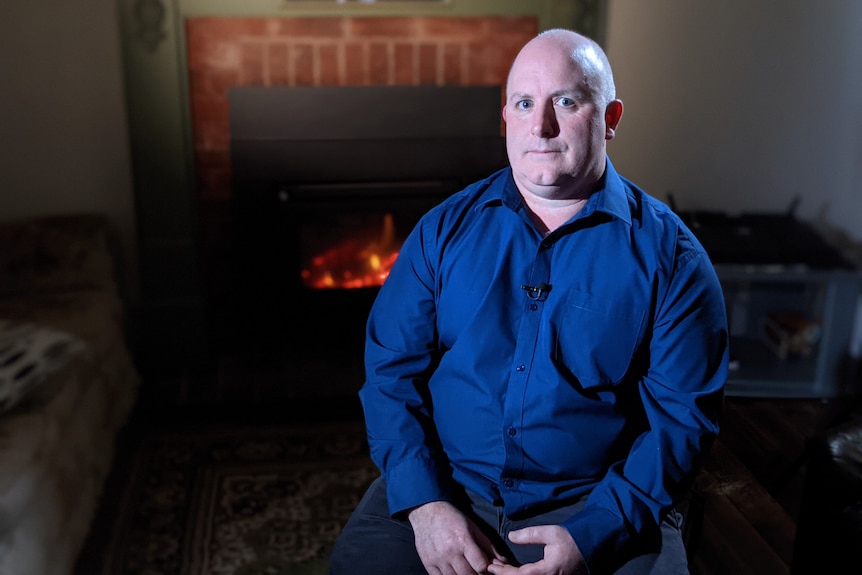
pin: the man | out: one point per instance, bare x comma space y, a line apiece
546, 362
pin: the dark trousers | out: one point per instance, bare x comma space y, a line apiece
373, 543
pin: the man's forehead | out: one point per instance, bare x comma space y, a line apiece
548, 64
533, 85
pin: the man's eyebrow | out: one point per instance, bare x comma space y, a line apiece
520, 96
579, 93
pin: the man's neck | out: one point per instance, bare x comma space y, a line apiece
549, 214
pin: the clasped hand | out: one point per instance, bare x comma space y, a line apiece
449, 543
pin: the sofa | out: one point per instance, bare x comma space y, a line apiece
68, 385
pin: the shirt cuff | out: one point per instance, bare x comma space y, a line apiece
601, 538
414, 482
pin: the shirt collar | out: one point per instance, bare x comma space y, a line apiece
610, 198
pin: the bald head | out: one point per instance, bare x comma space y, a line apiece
560, 112
585, 54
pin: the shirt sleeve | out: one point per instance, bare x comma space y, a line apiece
682, 393
400, 355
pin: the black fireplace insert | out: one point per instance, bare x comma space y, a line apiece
327, 182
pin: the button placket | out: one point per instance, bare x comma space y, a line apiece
527, 337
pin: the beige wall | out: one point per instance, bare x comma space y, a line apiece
742, 105
63, 129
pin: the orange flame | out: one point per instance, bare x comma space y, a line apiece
355, 263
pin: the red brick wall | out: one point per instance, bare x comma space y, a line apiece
228, 52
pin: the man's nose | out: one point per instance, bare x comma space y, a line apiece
545, 121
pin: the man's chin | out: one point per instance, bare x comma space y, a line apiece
544, 183
546, 179
538, 175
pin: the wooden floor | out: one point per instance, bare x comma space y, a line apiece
752, 483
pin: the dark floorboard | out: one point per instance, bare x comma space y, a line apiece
753, 483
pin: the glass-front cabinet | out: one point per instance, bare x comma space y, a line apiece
791, 330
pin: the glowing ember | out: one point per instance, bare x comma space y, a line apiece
355, 262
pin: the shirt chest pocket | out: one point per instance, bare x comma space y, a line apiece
597, 338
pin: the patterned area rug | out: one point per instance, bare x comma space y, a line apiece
261, 501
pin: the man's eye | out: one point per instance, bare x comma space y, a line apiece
524, 105
566, 102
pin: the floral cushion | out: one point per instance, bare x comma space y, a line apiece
29, 354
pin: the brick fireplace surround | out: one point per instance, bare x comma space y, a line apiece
349, 51
224, 53
182, 59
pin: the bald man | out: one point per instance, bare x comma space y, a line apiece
545, 364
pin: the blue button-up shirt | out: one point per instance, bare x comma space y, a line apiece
607, 379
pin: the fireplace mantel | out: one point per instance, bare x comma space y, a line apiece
165, 147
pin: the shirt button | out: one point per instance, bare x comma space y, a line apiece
521, 367
508, 482
534, 307
513, 431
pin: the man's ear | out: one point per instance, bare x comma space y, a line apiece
503, 113
613, 113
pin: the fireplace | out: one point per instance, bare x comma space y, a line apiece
327, 183
348, 235
180, 66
